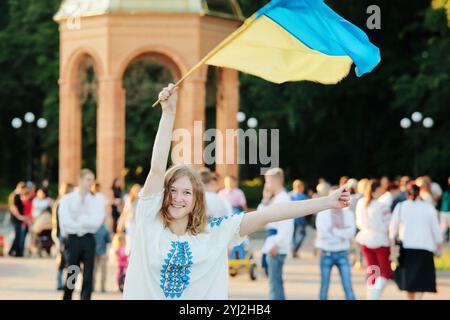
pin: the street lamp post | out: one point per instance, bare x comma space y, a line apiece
41, 123
416, 131
252, 123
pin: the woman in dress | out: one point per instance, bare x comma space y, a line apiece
415, 223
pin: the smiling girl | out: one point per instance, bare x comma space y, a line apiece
178, 252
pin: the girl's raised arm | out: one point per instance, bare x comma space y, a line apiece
255, 220
155, 179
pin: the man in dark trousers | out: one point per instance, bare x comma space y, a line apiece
81, 214
16, 208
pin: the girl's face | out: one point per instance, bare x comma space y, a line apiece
182, 196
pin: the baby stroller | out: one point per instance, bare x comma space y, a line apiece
44, 242
240, 259
42, 229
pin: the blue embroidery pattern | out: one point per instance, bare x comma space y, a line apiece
216, 221
176, 269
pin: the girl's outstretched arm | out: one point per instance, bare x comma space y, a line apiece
155, 179
255, 220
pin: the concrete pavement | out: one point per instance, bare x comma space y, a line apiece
35, 278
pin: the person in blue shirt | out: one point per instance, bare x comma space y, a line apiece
102, 239
297, 194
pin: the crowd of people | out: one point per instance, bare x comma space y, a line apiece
81, 224
30, 209
172, 237
391, 227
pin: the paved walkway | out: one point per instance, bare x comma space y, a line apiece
34, 278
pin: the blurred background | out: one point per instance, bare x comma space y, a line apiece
352, 128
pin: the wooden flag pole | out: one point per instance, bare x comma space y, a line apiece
219, 47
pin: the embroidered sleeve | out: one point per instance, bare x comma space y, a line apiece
227, 228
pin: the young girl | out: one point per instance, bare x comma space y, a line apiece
372, 220
179, 253
122, 258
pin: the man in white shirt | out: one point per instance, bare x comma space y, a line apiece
277, 245
81, 214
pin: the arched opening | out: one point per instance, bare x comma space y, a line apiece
77, 113
143, 79
88, 88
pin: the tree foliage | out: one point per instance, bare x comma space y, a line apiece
350, 128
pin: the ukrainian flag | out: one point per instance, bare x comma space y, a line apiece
293, 40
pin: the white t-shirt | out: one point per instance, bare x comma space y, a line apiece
417, 225
166, 266
335, 229
373, 223
285, 229
386, 198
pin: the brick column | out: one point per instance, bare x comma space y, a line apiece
227, 99
69, 133
110, 132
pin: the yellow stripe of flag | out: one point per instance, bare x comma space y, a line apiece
266, 50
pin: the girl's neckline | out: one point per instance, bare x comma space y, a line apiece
173, 235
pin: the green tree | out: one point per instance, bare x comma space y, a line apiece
28, 77
350, 128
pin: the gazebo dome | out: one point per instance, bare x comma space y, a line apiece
82, 8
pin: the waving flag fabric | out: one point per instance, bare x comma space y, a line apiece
293, 40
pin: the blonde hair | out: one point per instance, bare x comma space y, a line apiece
277, 173
371, 186
297, 184
197, 217
424, 183
117, 240
85, 172
361, 187
134, 191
